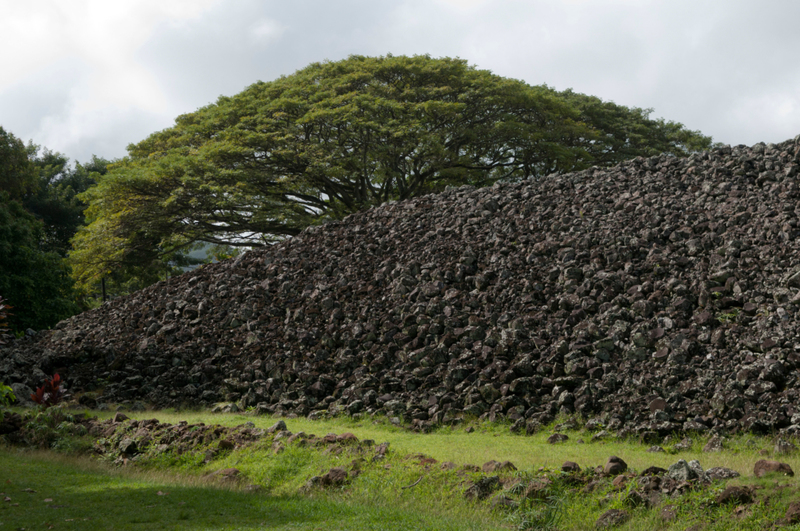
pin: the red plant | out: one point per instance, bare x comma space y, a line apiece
50, 393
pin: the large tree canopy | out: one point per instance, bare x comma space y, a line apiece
337, 137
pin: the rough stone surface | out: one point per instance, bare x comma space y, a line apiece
698, 471
557, 438
681, 471
612, 518
766, 466
737, 495
792, 514
614, 466
714, 444
721, 473
482, 488
660, 295
497, 466
128, 446
784, 447
334, 477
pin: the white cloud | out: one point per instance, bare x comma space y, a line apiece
103, 37
104, 73
265, 31
464, 4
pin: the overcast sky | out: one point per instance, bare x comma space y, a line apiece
90, 77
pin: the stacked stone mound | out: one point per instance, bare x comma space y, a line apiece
656, 296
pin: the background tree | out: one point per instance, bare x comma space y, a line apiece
338, 137
39, 214
55, 199
36, 283
17, 174
623, 133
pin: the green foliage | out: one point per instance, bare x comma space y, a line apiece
39, 214
335, 138
36, 283
55, 429
627, 132
6, 398
396, 492
6, 395
17, 174
55, 202
539, 516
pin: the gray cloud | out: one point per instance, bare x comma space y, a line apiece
727, 69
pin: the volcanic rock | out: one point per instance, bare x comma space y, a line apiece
681, 471
614, 466
737, 495
658, 295
714, 444
612, 518
570, 467
784, 447
721, 473
765, 466
482, 488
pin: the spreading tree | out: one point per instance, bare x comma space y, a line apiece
338, 137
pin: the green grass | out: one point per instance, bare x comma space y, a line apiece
380, 497
494, 441
86, 495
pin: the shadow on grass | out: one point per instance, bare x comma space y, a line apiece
69, 495
46, 490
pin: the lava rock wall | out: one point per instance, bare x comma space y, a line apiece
655, 296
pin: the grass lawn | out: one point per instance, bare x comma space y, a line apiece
494, 441
171, 491
52, 491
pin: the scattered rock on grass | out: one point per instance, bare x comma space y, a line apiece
482, 488
734, 495
615, 466
335, 477
721, 473
792, 514
496, 466
669, 513
784, 447
537, 489
612, 518
681, 471
501, 501
713, 445
278, 426
766, 466
684, 445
